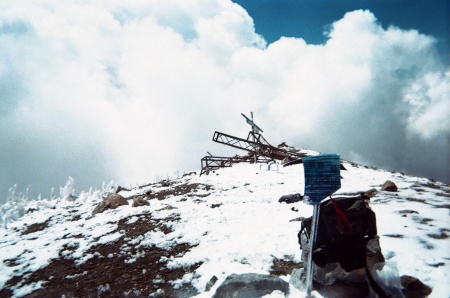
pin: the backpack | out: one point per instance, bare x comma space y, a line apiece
345, 226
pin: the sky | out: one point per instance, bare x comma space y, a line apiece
310, 19
133, 91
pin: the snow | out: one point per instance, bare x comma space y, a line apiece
27, 289
238, 226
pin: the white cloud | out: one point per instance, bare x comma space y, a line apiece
130, 90
430, 108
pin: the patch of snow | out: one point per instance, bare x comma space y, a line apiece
28, 289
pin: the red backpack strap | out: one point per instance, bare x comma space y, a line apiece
340, 216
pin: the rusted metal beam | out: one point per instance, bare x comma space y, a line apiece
211, 163
259, 148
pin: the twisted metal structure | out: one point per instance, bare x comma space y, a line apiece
259, 151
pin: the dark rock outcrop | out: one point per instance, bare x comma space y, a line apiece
112, 201
292, 198
250, 285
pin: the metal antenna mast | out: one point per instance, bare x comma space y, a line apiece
256, 130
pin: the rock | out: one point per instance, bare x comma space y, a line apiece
389, 186
301, 218
138, 202
342, 289
120, 188
298, 278
292, 198
168, 207
71, 198
371, 193
339, 289
165, 183
250, 285
189, 174
333, 272
413, 287
99, 208
211, 283
112, 201
332, 280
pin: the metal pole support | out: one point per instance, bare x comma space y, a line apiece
312, 243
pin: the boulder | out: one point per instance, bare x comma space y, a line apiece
291, 198
139, 201
111, 201
333, 272
250, 285
414, 288
211, 283
389, 186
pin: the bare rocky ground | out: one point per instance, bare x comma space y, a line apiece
109, 273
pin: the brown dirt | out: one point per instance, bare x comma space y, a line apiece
178, 190
284, 266
36, 227
107, 274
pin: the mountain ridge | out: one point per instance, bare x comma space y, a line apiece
197, 228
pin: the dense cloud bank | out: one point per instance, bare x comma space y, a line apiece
130, 90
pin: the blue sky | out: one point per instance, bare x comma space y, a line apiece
133, 91
310, 19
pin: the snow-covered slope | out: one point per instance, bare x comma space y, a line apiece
197, 227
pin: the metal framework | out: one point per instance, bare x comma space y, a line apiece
259, 150
211, 163
258, 147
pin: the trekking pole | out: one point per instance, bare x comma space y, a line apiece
312, 243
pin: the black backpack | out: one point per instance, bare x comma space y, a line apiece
345, 226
